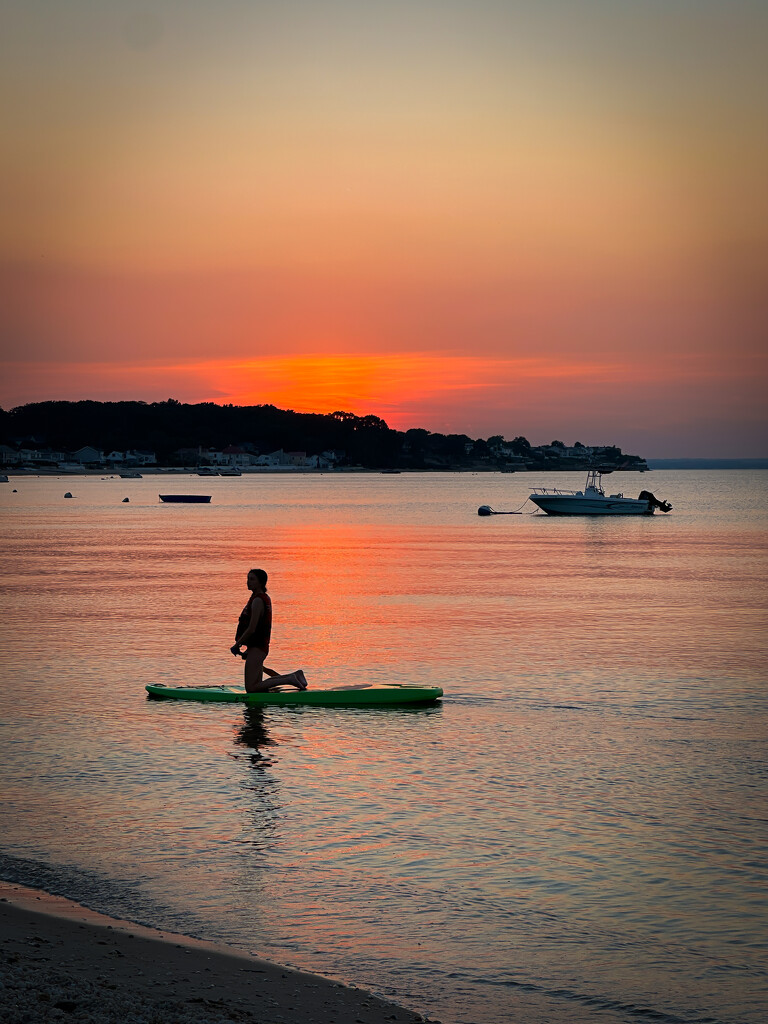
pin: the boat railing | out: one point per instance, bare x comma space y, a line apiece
553, 490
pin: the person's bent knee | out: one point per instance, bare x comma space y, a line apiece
254, 662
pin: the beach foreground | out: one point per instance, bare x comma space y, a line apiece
62, 961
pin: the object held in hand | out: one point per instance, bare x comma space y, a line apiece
235, 649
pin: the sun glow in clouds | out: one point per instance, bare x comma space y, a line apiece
361, 383
383, 384
441, 391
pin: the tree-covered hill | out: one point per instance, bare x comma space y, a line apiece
166, 428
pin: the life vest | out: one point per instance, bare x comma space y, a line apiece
263, 632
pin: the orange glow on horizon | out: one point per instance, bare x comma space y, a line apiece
372, 383
476, 395
362, 383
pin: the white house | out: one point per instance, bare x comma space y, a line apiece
8, 455
208, 456
87, 454
52, 455
234, 456
141, 457
43, 455
296, 458
273, 459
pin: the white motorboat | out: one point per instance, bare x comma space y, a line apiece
593, 501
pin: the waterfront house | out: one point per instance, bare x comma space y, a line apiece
87, 455
36, 455
295, 458
140, 457
273, 459
9, 456
232, 455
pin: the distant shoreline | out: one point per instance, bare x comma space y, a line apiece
707, 463
164, 471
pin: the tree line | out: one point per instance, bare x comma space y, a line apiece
167, 427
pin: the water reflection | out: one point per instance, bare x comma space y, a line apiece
264, 809
253, 733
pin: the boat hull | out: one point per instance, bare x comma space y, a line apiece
186, 498
572, 505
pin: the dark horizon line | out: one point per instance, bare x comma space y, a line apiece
690, 459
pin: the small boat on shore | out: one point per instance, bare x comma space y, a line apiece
186, 498
130, 475
593, 501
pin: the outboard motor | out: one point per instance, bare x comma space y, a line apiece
653, 502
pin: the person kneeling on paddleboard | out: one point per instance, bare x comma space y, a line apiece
254, 628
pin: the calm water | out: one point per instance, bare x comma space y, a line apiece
577, 832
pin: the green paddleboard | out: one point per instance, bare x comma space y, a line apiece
362, 695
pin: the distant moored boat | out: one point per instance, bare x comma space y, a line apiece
185, 497
593, 501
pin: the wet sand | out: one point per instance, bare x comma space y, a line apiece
61, 961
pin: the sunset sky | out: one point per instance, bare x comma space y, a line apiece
545, 217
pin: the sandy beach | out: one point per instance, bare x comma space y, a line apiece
63, 962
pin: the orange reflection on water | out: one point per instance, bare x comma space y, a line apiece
349, 602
